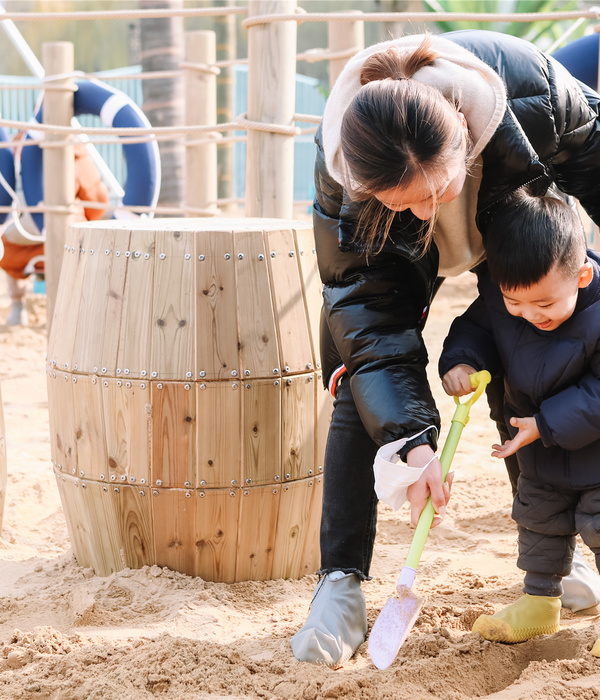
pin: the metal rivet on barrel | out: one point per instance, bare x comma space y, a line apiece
286, 369
246, 492
123, 477
240, 256
144, 373
287, 476
310, 471
159, 385
309, 365
202, 373
202, 494
54, 363
95, 369
104, 370
201, 257
247, 372
301, 252
314, 250
107, 252
75, 367
319, 367
273, 253
291, 253
136, 254
132, 479
227, 256
233, 482
288, 382
66, 376
127, 253
116, 489
248, 481
154, 374
117, 253
83, 250
187, 484
60, 467
143, 385
188, 375
105, 488
202, 387
73, 471
203, 483
310, 483
146, 256
187, 256
81, 474
234, 385
232, 494
275, 371
128, 385
158, 482
155, 492
234, 373
277, 477
286, 488
248, 386
113, 477
102, 477
276, 382
119, 382
126, 371
275, 491
261, 256
82, 485
319, 479
74, 380
320, 468
188, 494
162, 256
142, 493
119, 370
142, 481
91, 251
54, 375
66, 365
65, 246
187, 387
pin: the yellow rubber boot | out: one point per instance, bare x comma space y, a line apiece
596, 648
529, 617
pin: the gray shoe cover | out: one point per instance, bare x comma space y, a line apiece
581, 588
337, 623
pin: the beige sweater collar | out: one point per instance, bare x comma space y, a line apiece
457, 73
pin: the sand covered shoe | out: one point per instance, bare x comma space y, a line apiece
581, 588
529, 617
337, 623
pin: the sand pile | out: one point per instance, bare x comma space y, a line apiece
70, 635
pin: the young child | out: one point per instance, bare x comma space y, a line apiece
537, 321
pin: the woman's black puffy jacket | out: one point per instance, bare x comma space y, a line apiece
375, 305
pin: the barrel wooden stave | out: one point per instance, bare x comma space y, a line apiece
200, 387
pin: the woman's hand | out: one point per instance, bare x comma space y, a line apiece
528, 433
456, 382
429, 484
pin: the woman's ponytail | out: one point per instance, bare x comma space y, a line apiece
396, 65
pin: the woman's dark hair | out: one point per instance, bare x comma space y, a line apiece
529, 236
395, 130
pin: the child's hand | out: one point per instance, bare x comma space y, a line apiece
456, 382
528, 432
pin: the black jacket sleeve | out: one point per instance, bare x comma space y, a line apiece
374, 304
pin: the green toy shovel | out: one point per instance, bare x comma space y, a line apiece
398, 615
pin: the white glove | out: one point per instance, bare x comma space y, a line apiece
392, 476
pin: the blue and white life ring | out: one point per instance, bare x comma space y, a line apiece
118, 110
7, 168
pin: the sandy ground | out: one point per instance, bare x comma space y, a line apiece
70, 635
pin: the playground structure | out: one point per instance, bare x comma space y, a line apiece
126, 382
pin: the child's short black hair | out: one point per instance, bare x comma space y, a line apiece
529, 235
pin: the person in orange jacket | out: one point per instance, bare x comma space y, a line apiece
19, 253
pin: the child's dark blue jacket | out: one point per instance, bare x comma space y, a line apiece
552, 375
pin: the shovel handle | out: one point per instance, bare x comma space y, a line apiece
479, 381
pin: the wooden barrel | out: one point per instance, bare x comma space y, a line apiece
3, 472
187, 414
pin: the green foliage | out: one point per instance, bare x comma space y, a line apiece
542, 33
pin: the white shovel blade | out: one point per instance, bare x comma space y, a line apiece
392, 626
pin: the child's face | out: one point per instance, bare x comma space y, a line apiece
551, 301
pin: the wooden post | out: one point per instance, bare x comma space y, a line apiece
343, 36
59, 163
200, 110
271, 99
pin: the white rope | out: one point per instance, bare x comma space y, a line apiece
263, 126
121, 14
201, 68
592, 13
